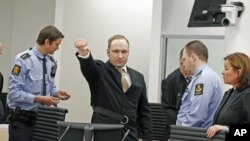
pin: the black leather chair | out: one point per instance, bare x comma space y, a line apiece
158, 120
46, 128
183, 133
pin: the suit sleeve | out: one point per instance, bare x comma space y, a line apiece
88, 69
246, 109
144, 116
168, 100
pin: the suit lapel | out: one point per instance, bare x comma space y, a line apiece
116, 76
132, 78
223, 102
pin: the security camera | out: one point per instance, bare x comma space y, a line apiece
233, 11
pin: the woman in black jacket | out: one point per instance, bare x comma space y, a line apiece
234, 108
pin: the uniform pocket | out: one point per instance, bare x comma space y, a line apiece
36, 83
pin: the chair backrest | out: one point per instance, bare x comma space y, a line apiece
46, 128
184, 133
158, 121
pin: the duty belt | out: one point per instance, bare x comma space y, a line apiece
28, 117
122, 118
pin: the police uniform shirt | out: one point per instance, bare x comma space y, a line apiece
26, 79
201, 99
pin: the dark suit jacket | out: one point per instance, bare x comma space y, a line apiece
106, 91
174, 85
234, 108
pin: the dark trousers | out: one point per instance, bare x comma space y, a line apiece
167, 132
19, 131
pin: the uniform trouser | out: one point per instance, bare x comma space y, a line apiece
19, 131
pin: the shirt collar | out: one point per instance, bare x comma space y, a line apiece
199, 69
124, 68
37, 53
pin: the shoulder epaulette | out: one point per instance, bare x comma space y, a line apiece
25, 56
198, 74
51, 58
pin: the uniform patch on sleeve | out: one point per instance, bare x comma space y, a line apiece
198, 89
16, 70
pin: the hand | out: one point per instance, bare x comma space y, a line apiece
62, 95
81, 45
211, 131
47, 100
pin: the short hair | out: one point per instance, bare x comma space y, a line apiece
118, 36
198, 48
49, 32
241, 61
181, 53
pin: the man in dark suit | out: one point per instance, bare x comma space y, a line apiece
173, 87
118, 92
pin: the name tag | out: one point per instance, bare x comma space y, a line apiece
46, 78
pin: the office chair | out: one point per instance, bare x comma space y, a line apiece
184, 133
75, 131
46, 128
158, 120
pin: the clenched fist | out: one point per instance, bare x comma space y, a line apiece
81, 45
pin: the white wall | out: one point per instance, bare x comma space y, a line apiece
20, 23
97, 20
6, 18
155, 60
237, 37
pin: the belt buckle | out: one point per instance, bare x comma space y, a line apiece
124, 120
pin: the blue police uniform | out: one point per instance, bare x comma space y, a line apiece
201, 99
26, 79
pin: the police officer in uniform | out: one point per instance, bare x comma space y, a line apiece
204, 93
32, 84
